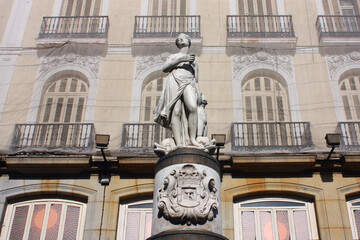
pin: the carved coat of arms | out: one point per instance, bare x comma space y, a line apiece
188, 196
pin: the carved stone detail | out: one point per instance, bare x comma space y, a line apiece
188, 197
90, 62
145, 62
337, 61
262, 57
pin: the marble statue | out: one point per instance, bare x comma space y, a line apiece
180, 100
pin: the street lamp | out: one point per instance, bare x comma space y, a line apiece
219, 142
332, 141
102, 142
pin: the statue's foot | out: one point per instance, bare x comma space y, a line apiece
197, 144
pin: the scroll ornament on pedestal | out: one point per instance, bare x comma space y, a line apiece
188, 197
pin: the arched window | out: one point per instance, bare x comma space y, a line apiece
265, 100
149, 131
135, 220
61, 114
354, 215
150, 96
64, 101
274, 218
350, 93
44, 219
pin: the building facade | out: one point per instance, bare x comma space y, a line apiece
278, 76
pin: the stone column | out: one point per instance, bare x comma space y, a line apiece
187, 201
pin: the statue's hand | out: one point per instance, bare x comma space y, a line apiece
188, 58
192, 58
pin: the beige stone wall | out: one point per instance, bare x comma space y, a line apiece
5, 7
329, 198
113, 109
117, 69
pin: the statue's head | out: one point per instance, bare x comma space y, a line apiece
182, 36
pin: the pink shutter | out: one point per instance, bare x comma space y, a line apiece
132, 226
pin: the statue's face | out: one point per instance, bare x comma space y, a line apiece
182, 41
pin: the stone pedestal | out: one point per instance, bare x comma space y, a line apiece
187, 200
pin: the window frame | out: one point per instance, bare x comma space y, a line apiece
11, 210
352, 219
94, 8
277, 89
309, 208
154, 95
255, 3
351, 111
67, 94
168, 8
123, 210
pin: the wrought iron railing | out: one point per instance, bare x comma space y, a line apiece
350, 135
260, 26
142, 136
270, 136
50, 136
74, 27
166, 26
338, 26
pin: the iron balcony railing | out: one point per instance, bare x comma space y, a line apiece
338, 26
270, 136
74, 27
350, 135
166, 26
50, 136
142, 136
260, 26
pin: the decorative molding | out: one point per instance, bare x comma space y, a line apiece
90, 62
337, 65
262, 57
188, 196
336, 62
146, 62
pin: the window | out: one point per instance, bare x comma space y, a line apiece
150, 96
61, 114
81, 7
347, 7
340, 7
151, 132
44, 219
168, 7
257, 7
350, 93
275, 218
135, 220
354, 215
265, 100
64, 101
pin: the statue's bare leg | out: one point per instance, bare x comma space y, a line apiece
176, 123
190, 101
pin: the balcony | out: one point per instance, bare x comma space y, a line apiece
142, 136
257, 30
38, 137
337, 29
270, 136
79, 29
162, 30
350, 135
